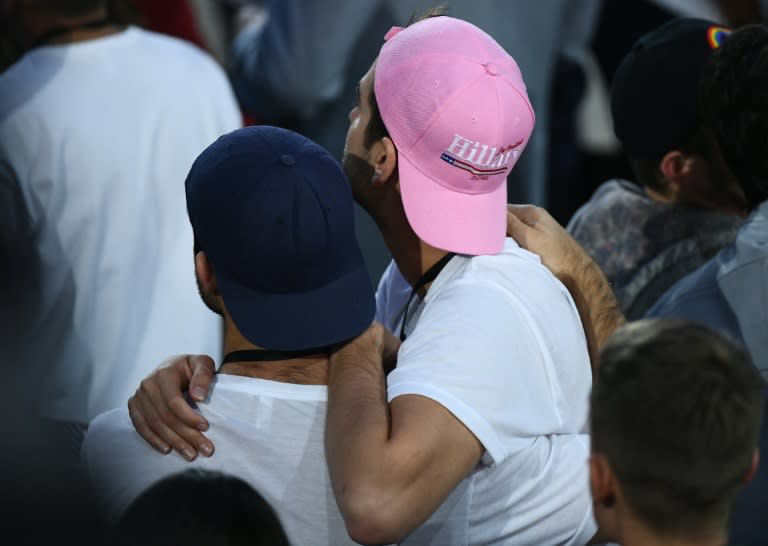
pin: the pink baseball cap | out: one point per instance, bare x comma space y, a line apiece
455, 106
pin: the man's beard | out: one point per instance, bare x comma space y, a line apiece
209, 301
359, 173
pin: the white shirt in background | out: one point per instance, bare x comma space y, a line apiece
99, 136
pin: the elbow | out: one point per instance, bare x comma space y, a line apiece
370, 519
370, 532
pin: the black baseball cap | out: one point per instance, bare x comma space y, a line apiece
654, 93
273, 212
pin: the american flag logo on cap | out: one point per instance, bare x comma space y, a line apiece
468, 167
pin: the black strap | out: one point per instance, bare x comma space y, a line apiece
60, 31
428, 276
258, 355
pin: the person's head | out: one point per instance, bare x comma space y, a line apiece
675, 415
275, 247
61, 8
734, 102
24, 21
441, 119
200, 507
655, 115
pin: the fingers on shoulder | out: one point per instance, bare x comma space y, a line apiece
528, 214
201, 364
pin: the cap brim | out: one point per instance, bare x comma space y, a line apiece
473, 224
336, 312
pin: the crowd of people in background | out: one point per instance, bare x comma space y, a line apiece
280, 272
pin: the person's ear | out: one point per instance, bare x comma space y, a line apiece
601, 481
671, 164
204, 272
677, 167
753, 466
383, 157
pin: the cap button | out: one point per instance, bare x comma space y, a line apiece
492, 68
288, 159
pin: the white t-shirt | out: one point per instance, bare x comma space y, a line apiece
391, 297
520, 382
268, 433
499, 343
99, 137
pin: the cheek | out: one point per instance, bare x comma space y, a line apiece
359, 173
354, 136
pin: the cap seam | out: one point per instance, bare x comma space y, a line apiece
450, 98
407, 155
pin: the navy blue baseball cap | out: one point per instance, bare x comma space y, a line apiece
273, 213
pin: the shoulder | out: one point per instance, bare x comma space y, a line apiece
695, 293
188, 76
514, 270
616, 192
110, 437
107, 425
164, 42
620, 188
614, 197
497, 290
175, 56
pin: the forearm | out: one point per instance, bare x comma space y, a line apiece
598, 308
391, 464
386, 462
356, 436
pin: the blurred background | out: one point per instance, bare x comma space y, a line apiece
296, 63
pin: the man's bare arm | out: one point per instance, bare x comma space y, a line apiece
391, 465
535, 230
161, 415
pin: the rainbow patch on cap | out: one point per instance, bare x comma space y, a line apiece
716, 35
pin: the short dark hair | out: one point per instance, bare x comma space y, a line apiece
676, 410
200, 507
376, 130
66, 7
647, 171
734, 102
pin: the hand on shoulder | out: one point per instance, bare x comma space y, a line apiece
160, 413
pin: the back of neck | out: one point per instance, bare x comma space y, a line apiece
635, 533
310, 369
300, 371
68, 30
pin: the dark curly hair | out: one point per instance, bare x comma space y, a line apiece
199, 507
733, 101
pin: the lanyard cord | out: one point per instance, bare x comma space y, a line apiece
258, 355
427, 277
